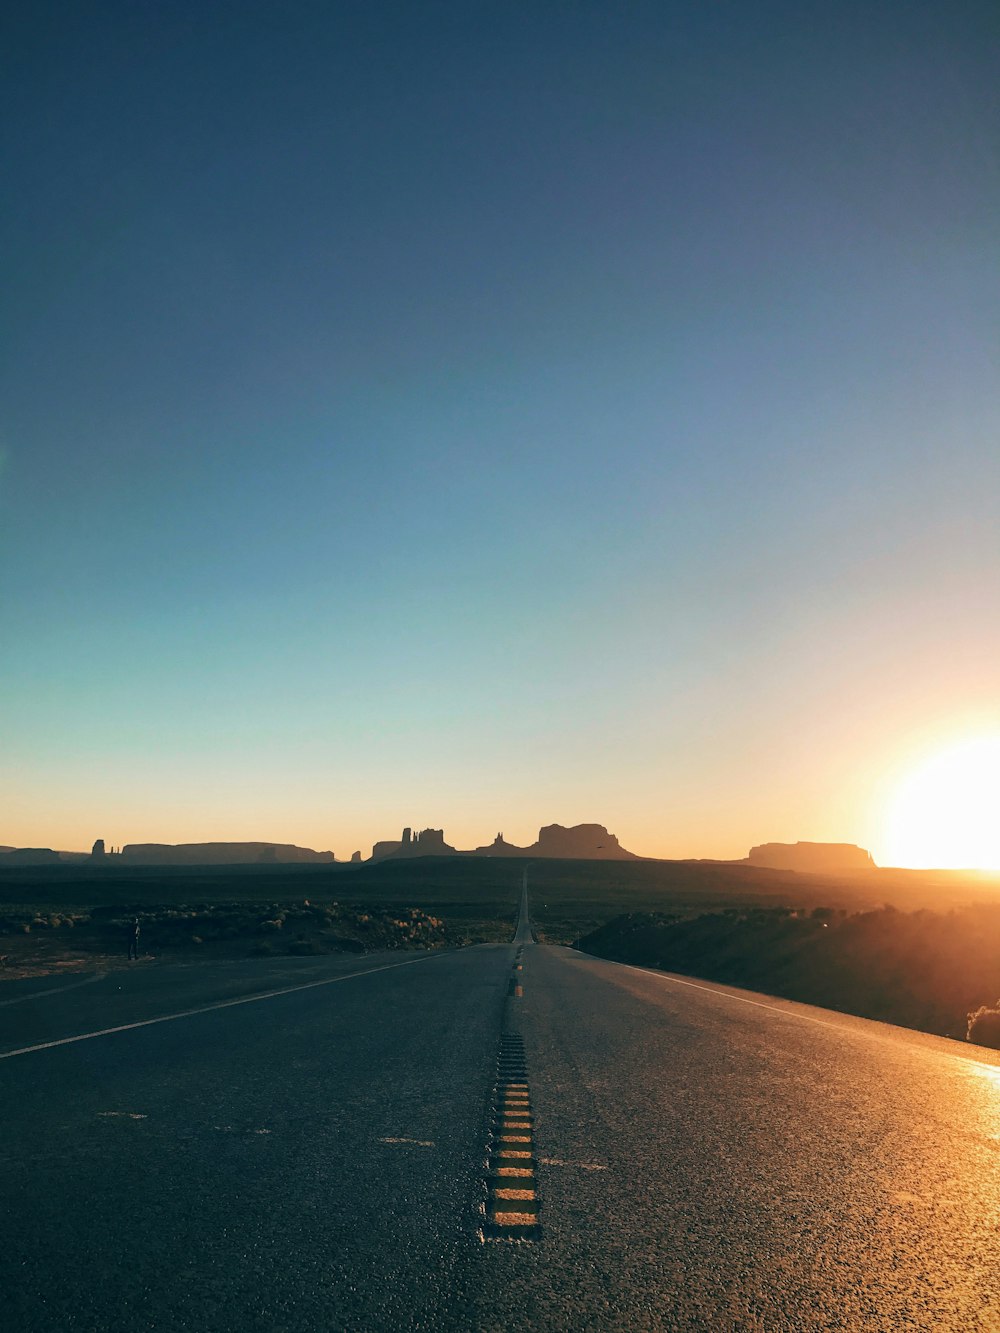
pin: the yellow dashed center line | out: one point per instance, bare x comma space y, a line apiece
516, 1226
512, 1204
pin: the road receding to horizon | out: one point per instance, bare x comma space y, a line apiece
301, 1144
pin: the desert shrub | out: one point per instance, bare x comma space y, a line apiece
345, 943
306, 948
984, 1026
262, 949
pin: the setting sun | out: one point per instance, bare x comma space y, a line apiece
947, 812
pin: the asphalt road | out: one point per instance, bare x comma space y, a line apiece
706, 1159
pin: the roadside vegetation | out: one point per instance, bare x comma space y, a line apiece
33, 939
935, 971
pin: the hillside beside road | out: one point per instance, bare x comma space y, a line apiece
924, 970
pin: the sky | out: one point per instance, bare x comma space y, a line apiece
488, 415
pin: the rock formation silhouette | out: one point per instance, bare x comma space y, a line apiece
590, 842
428, 842
583, 842
382, 850
500, 847
31, 856
816, 858
220, 853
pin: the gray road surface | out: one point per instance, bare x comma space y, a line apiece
314, 1160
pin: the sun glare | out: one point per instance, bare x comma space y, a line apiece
947, 812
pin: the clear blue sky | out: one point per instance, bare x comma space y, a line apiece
494, 414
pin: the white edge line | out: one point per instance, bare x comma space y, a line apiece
208, 1008
53, 990
794, 1013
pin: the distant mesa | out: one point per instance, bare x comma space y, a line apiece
583, 842
164, 854
355, 858
590, 842
813, 858
29, 856
427, 842
220, 854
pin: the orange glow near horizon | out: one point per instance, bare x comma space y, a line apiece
946, 813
